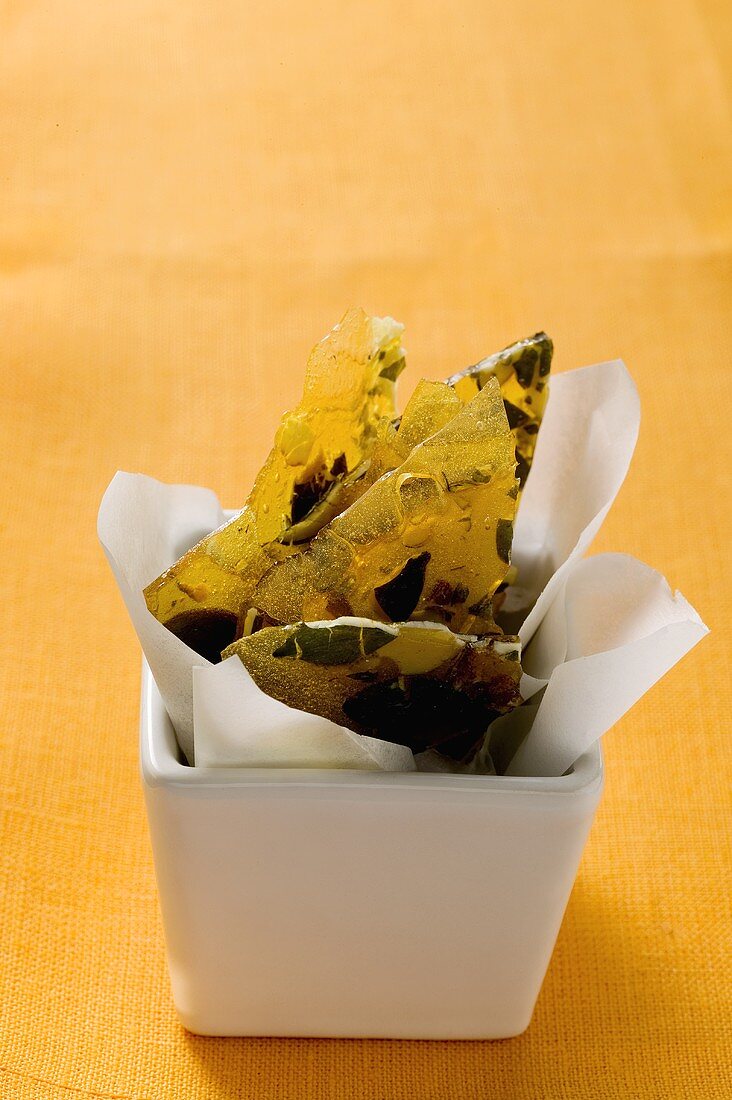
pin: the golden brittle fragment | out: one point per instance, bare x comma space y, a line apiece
522, 371
414, 683
430, 539
349, 392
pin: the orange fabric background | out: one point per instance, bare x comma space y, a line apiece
191, 195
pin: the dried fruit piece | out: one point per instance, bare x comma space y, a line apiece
398, 598
522, 371
319, 448
443, 507
414, 683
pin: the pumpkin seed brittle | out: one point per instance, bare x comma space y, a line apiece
414, 683
522, 370
429, 540
349, 390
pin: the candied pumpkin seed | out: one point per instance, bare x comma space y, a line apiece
334, 643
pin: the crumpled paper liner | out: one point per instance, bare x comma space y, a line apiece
597, 633
144, 526
611, 632
276, 736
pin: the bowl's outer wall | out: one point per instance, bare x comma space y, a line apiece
326, 905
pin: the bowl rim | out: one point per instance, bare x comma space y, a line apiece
161, 765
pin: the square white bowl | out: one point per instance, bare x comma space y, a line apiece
361, 904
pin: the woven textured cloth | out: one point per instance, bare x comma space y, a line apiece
191, 195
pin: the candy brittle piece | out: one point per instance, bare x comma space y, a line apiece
431, 406
414, 683
349, 388
429, 540
349, 391
522, 370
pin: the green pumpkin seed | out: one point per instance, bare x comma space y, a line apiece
339, 644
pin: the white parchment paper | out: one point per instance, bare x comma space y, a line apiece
583, 452
237, 725
597, 632
144, 526
612, 631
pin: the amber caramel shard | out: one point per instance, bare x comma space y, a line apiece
429, 540
413, 683
349, 388
431, 406
522, 371
320, 447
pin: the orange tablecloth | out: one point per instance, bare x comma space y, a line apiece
191, 195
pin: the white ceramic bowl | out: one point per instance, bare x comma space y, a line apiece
338, 903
